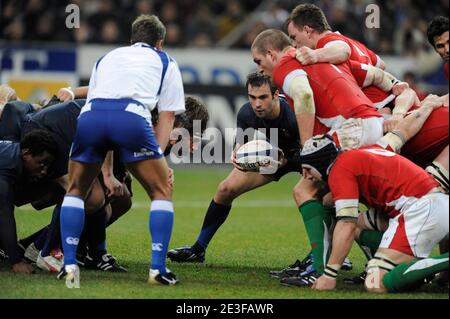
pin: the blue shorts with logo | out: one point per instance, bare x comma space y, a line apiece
106, 125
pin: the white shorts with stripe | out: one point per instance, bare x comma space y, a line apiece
421, 225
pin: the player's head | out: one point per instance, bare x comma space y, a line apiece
263, 95
148, 29
318, 155
267, 48
189, 126
305, 22
38, 150
437, 34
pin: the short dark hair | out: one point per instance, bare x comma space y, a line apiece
257, 79
195, 111
437, 27
310, 15
271, 39
39, 141
147, 29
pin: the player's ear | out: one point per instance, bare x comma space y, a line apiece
276, 95
308, 30
271, 54
159, 44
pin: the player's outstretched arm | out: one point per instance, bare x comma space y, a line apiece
408, 127
67, 94
343, 236
164, 127
113, 185
335, 54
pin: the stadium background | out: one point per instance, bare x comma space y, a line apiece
210, 41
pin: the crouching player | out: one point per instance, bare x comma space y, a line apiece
265, 111
413, 201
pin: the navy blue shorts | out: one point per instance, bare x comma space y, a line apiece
114, 124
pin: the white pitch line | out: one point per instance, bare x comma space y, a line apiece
243, 204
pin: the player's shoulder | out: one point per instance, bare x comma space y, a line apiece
332, 36
18, 107
9, 152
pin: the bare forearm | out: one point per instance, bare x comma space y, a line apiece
335, 54
404, 102
306, 126
343, 236
164, 127
412, 124
81, 92
108, 165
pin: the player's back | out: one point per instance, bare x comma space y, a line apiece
360, 53
383, 179
134, 72
337, 96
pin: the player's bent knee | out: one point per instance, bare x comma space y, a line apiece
302, 195
225, 192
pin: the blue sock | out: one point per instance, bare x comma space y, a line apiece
214, 218
160, 224
72, 223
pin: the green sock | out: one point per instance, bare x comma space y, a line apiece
313, 215
406, 277
369, 241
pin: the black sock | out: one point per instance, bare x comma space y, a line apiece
95, 227
30, 239
53, 237
214, 218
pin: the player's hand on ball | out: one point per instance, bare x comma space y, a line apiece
113, 186
65, 94
324, 283
233, 158
306, 56
276, 165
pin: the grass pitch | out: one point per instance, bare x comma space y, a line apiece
263, 232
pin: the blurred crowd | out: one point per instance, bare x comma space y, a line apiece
204, 23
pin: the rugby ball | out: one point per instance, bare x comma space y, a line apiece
255, 154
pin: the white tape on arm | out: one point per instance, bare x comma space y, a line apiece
302, 95
68, 90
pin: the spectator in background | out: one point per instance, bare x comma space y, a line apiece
201, 29
83, 34
110, 32
274, 17
169, 13
174, 37
411, 78
228, 20
106, 12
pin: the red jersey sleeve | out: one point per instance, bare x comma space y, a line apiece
343, 184
358, 72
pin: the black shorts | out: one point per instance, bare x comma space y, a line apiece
40, 195
283, 171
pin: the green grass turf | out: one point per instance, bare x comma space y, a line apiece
263, 232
